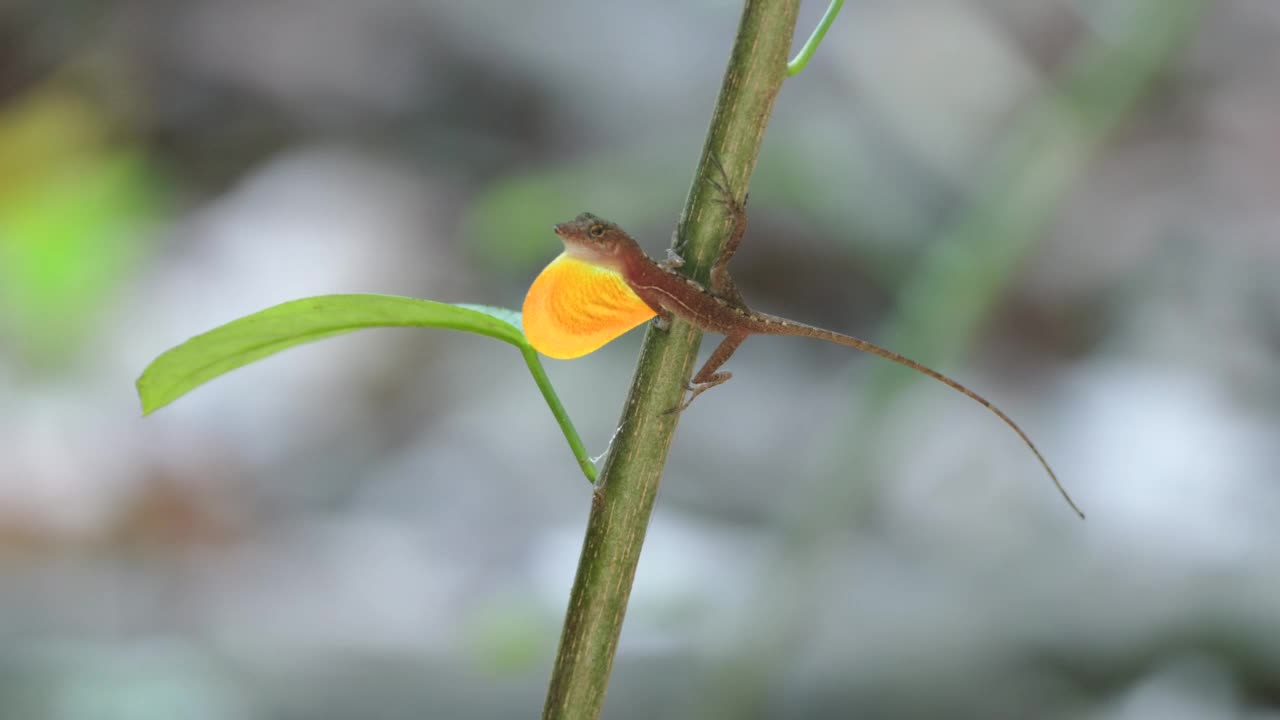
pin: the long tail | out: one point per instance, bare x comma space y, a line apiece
779, 326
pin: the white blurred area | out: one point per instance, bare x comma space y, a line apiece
386, 524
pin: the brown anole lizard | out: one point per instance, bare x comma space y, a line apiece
604, 284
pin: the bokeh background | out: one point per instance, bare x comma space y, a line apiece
1074, 207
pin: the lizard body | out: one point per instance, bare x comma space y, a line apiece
604, 284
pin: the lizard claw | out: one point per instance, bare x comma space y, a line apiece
724, 174
684, 402
724, 197
673, 259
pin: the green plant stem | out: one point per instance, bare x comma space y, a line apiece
557, 409
801, 59
625, 493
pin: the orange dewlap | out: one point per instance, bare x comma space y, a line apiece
574, 307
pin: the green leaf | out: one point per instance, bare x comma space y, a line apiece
253, 337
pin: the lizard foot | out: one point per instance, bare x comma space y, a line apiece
673, 259
697, 388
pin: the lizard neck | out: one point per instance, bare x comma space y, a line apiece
635, 265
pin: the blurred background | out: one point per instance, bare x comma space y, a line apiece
1071, 206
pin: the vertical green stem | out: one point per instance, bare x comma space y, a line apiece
627, 487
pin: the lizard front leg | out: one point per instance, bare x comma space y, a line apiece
721, 282
673, 261
662, 321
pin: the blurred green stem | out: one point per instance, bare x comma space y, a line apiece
971, 265
801, 59
941, 311
627, 487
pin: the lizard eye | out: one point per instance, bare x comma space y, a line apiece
596, 231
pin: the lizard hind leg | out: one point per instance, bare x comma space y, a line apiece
710, 375
695, 389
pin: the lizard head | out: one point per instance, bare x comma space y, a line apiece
595, 240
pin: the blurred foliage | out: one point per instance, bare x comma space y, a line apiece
972, 264
72, 202
507, 225
962, 278
508, 637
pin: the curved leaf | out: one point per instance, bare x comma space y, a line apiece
181, 369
